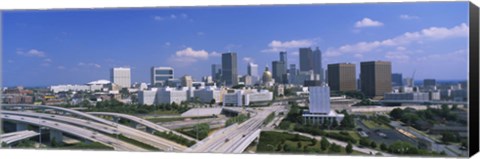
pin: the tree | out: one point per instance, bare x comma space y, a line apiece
324, 144
349, 148
334, 123
313, 141
299, 144
335, 148
448, 137
373, 144
212, 102
383, 147
396, 113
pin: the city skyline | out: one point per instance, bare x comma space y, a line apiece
46, 45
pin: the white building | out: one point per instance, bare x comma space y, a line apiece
68, 87
260, 96
252, 71
233, 98
205, 95
171, 95
319, 107
121, 76
147, 97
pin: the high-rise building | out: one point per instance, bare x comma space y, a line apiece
121, 76
317, 64
284, 59
160, 75
216, 72
278, 70
428, 83
187, 81
397, 79
229, 68
306, 59
252, 70
342, 77
376, 78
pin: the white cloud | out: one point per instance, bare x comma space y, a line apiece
47, 60
215, 54
248, 59
408, 17
61, 67
190, 53
170, 17
167, 44
276, 45
188, 56
82, 64
367, 22
200, 33
31, 53
432, 33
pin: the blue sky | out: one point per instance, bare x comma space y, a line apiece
42, 48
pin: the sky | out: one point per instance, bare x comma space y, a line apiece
50, 47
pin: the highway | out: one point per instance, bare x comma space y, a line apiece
9, 138
235, 138
129, 132
144, 122
76, 131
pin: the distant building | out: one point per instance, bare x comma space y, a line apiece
306, 59
434, 95
278, 70
160, 75
376, 78
412, 96
216, 72
247, 80
397, 79
208, 80
319, 106
429, 83
302, 76
267, 78
252, 70
317, 65
187, 81
229, 68
279, 90
284, 59
341, 77
408, 82
246, 97
121, 76
68, 87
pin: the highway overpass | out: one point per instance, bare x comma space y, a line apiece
13, 137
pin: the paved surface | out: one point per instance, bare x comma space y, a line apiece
146, 123
17, 136
76, 131
235, 138
213, 122
202, 112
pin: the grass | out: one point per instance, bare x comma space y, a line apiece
176, 138
372, 125
156, 120
164, 112
270, 141
89, 146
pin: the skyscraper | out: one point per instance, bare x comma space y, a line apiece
160, 75
429, 83
376, 78
216, 72
306, 59
317, 64
341, 77
229, 68
397, 79
252, 70
284, 59
278, 71
121, 76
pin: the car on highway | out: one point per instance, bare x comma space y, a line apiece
226, 140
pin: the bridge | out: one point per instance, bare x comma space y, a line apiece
128, 132
423, 102
13, 137
57, 128
150, 125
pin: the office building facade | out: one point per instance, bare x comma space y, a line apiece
397, 79
342, 77
376, 78
229, 69
278, 71
159, 76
